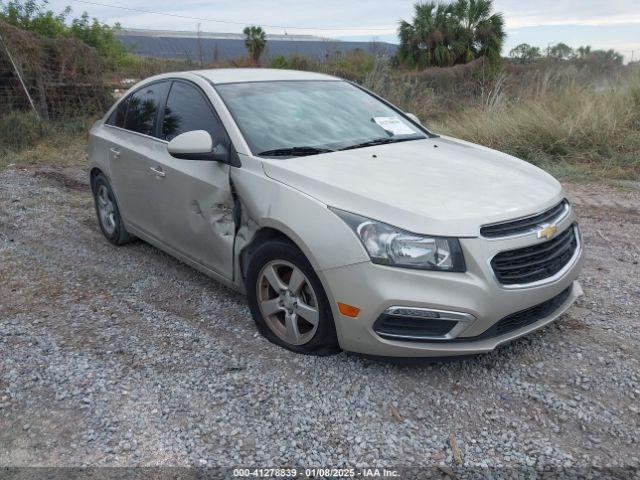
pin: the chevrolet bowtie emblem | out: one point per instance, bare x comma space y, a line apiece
547, 231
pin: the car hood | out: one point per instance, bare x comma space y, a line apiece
438, 186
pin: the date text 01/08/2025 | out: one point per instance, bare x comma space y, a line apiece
315, 472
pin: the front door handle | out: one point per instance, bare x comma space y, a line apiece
115, 152
157, 171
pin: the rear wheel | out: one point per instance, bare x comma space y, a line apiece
287, 300
108, 213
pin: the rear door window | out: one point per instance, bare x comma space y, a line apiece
143, 108
187, 109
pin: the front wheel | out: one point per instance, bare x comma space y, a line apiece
287, 300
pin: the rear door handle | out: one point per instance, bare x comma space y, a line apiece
115, 152
157, 171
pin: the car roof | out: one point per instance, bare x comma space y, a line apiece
236, 75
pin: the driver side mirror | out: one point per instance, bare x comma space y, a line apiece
196, 145
413, 117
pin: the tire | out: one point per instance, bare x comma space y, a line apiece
107, 212
293, 309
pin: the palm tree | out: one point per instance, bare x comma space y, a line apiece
481, 32
255, 40
584, 52
445, 34
427, 41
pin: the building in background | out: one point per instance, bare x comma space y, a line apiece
213, 47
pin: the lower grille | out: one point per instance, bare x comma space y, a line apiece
399, 327
528, 316
537, 262
521, 319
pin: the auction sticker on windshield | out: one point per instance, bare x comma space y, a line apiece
394, 125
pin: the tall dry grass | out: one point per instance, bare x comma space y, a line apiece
573, 130
26, 141
576, 120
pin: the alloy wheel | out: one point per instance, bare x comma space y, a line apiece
106, 210
287, 301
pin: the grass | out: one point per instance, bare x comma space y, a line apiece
573, 124
26, 141
574, 132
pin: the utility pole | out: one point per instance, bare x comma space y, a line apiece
200, 48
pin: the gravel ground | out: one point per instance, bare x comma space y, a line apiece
124, 356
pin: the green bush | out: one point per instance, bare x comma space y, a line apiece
19, 130
294, 62
34, 16
354, 65
24, 130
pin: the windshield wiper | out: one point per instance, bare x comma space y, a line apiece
294, 152
379, 141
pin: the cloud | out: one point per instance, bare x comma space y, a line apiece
328, 17
516, 23
521, 14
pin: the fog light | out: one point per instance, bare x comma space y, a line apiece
421, 324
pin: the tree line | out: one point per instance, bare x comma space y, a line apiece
445, 34
525, 53
439, 34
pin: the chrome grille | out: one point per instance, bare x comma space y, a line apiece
526, 224
536, 262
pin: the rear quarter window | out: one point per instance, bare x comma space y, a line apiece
118, 115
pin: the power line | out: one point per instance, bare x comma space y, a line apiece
228, 22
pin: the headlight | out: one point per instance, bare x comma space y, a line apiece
391, 246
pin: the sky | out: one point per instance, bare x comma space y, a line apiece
611, 24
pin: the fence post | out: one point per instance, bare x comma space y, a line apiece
42, 97
15, 67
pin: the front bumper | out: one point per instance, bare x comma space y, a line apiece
475, 293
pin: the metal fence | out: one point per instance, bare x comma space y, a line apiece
54, 78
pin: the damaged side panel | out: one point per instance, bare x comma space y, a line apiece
266, 203
198, 216
247, 212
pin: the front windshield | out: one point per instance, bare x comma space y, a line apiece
296, 118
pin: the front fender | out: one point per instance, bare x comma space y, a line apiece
323, 237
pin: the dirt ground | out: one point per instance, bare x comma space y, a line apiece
124, 356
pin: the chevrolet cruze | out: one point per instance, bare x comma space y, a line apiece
346, 222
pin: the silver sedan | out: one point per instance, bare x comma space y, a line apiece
345, 221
